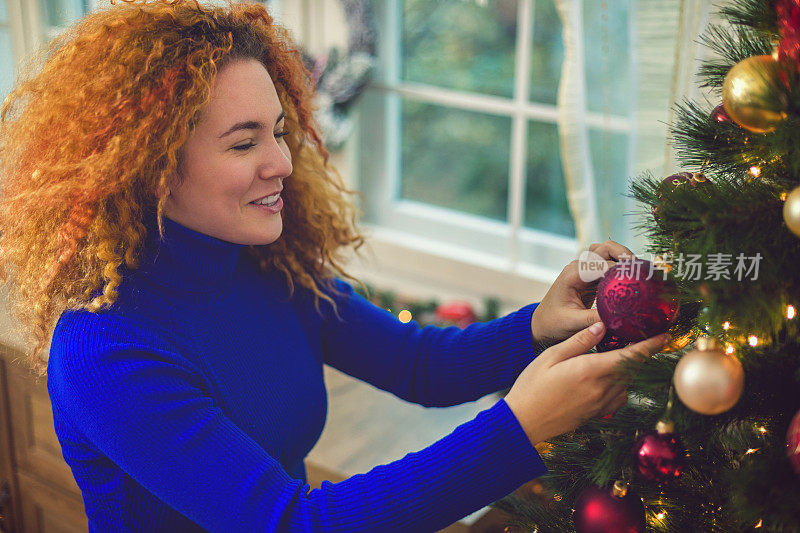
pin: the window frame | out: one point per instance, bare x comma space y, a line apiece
17, 24
503, 250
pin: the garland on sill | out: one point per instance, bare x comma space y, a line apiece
340, 78
431, 311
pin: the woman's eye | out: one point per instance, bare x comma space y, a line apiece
243, 147
282, 133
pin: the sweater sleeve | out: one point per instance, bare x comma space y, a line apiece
148, 410
431, 366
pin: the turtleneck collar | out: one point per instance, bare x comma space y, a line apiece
187, 260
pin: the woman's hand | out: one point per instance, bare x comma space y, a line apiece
566, 308
564, 386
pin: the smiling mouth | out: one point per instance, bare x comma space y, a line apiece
268, 200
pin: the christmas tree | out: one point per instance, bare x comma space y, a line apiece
710, 439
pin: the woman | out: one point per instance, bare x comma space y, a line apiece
169, 215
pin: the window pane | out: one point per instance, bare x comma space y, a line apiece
62, 12
547, 54
455, 159
610, 163
466, 45
546, 194
7, 73
607, 47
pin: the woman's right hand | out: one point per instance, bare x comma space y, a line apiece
564, 386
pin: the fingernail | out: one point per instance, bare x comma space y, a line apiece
596, 328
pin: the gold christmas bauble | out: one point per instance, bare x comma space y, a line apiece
754, 95
791, 211
707, 380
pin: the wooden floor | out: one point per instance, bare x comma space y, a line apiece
367, 427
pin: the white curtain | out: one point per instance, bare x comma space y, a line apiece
573, 133
665, 56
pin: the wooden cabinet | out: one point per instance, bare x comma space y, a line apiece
42, 496
8, 487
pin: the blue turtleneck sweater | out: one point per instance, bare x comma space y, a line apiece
190, 404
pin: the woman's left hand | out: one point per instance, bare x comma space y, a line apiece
566, 308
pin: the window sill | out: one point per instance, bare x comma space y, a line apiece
425, 268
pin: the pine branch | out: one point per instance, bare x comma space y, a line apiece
731, 44
756, 14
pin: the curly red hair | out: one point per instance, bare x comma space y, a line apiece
89, 138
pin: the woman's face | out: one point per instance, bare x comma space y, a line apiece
235, 156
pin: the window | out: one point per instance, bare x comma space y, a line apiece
26, 25
460, 152
7, 57
56, 14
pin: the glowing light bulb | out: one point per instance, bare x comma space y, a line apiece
790, 312
751, 450
762, 429
404, 316
752, 340
783, 196
729, 349
726, 326
755, 171
759, 523
661, 515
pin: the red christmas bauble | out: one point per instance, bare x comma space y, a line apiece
611, 342
679, 181
682, 180
635, 302
459, 313
720, 115
793, 443
601, 511
789, 23
659, 455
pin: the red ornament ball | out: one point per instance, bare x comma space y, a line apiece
635, 302
601, 511
793, 443
682, 180
675, 182
611, 342
460, 314
720, 115
659, 455
789, 24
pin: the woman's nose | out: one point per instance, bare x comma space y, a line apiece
277, 161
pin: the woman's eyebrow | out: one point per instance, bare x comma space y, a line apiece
250, 125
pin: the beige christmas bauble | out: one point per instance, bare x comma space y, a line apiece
707, 380
791, 211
